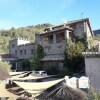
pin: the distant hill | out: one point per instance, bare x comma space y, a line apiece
97, 35
21, 32
96, 32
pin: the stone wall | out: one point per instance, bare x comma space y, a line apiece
17, 46
54, 47
92, 69
78, 28
13, 46
28, 51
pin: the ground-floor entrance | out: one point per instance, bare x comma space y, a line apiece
53, 66
15, 66
19, 65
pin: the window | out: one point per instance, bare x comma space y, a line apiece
21, 52
40, 38
15, 52
48, 39
59, 47
47, 48
13, 45
60, 66
70, 34
60, 37
25, 52
32, 51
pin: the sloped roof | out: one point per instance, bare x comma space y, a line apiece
7, 56
77, 21
15, 73
70, 22
37, 87
20, 75
57, 30
4, 92
32, 77
53, 58
28, 77
67, 25
3, 74
63, 92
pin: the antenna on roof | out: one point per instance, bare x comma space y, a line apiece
82, 15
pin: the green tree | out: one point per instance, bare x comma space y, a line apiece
73, 56
82, 39
40, 52
74, 50
22, 32
35, 63
5, 65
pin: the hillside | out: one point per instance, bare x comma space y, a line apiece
96, 32
97, 35
22, 32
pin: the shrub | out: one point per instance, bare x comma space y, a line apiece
5, 65
94, 94
35, 63
74, 60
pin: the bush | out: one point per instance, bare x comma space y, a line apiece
93, 94
74, 60
53, 71
35, 63
5, 65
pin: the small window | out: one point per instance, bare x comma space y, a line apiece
59, 47
70, 34
25, 52
32, 51
60, 66
15, 52
40, 38
47, 49
60, 37
48, 39
21, 52
13, 45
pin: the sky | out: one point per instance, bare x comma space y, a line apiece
21, 13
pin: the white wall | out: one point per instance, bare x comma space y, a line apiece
88, 31
22, 41
92, 67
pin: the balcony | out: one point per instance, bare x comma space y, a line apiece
48, 42
48, 39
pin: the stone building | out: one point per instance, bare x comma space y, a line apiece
22, 49
53, 40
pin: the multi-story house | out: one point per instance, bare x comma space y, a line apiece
53, 40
